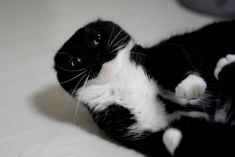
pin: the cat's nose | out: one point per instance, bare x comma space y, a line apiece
98, 59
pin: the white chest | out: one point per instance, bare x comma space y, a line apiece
122, 82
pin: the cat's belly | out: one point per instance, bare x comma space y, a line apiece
139, 94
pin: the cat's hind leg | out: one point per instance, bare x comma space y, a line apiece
196, 137
222, 63
171, 139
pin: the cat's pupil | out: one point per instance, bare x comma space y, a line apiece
97, 39
75, 61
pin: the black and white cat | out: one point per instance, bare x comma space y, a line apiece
174, 98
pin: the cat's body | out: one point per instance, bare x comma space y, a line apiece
135, 93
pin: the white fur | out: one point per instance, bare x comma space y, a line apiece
123, 82
192, 87
171, 139
222, 63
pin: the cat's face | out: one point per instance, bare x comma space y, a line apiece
82, 56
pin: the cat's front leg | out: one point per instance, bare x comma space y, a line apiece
174, 70
198, 137
192, 87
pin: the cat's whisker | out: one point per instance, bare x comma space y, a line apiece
120, 41
118, 48
115, 37
108, 44
69, 70
76, 109
87, 78
74, 77
74, 90
76, 114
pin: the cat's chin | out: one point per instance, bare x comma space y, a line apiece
110, 70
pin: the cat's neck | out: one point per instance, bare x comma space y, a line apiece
112, 68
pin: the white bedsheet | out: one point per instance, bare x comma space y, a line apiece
37, 118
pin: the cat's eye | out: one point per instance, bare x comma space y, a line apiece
97, 39
75, 61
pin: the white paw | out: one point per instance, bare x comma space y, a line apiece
222, 63
171, 139
191, 87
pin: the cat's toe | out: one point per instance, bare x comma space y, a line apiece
171, 139
222, 63
191, 87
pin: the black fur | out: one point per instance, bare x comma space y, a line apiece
168, 63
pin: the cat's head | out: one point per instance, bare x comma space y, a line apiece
82, 56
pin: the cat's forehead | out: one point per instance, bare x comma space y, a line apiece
96, 37
106, 28
102, 26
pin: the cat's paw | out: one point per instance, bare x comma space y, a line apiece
171, 139
222, 63
191, 87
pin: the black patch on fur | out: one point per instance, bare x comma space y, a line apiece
115, 120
